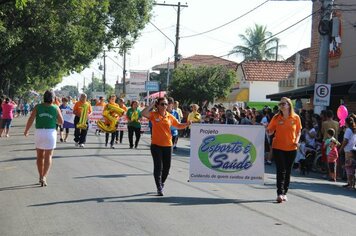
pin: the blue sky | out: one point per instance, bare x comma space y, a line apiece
153, 47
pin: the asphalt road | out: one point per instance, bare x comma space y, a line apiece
102, 191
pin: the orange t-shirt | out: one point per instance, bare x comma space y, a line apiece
161, 128
123, 107
100, 104
285, 132
77, 109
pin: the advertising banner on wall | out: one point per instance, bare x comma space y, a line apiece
227, 153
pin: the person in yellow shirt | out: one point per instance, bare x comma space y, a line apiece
193, 117
161, 141
286, 127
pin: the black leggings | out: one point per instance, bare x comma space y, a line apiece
284, 163
161, 163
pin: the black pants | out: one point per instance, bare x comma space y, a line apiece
121, 135
113, 135
80, 135
137, 132
284, 163
161, 164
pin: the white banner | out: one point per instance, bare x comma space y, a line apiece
227, 153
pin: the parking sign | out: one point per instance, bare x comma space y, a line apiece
322, 94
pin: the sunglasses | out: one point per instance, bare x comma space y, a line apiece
282, 104
163, 104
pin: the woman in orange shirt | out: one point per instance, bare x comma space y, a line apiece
161, 142
286, 127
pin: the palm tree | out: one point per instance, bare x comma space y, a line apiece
258, 44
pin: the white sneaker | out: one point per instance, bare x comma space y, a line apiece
285, 198
279, 198
81, 145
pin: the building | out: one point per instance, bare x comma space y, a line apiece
342, 57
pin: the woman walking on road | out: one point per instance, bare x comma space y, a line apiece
161, 143
47, 116
286, 127
7, 116
133, 124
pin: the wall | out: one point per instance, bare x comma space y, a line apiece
259, 90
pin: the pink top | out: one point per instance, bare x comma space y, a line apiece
333, 155
7, 110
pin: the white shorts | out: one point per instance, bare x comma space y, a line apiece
45, 139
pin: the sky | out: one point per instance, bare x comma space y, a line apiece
153, 47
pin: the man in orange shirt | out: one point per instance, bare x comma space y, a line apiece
161, 142
80, 135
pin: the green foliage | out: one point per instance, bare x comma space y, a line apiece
201, 84
69, 90
257, 44
97, 86
41, 41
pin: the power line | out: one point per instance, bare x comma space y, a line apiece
162, 33
208, 31
272, 36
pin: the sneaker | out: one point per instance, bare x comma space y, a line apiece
279, 198
76, 144
159, 192
61, 140
285, 198
81, 145
268, 162
106, 144
7, 136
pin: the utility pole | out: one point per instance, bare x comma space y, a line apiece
323, 61
167, 75
176, 46
124, 74
104, 75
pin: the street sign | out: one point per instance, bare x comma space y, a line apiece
322, 94
152, 86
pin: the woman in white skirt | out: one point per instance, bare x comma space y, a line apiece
47, 116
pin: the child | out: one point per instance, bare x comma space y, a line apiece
301, 155
332, 157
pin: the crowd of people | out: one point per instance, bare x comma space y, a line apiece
295, 138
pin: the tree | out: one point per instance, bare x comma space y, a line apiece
201, 84
41, 41
258, 44
97, 86
69, 90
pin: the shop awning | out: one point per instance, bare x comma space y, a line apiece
337, 89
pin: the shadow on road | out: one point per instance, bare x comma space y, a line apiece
174, 201
18, 187
111, 176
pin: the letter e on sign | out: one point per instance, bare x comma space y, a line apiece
322, 94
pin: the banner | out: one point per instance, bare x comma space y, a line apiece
227, 153
95, 116
68, 117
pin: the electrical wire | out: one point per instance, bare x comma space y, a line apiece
162, 33
208, 31
272, 36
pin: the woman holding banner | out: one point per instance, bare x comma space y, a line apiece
286, 127
161, 142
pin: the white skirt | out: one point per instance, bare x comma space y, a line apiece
45, 139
